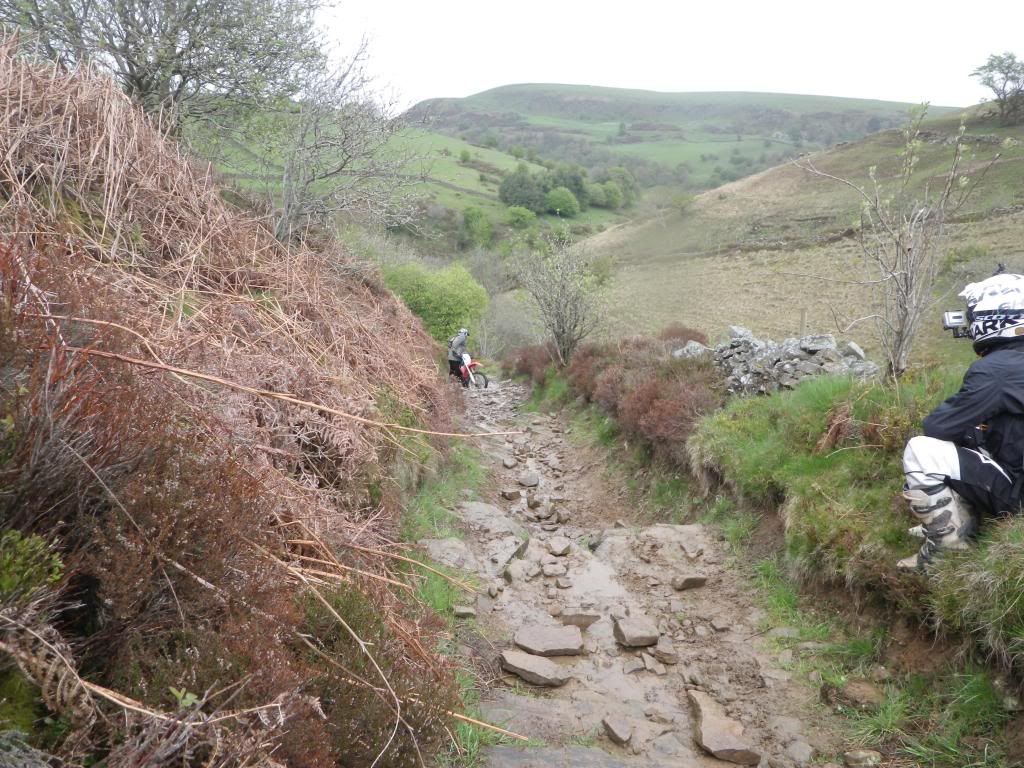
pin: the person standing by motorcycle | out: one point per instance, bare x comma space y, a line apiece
458, 354
970, 460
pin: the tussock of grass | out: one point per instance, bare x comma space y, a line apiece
429, 515
844, 519
837, 500
982, 592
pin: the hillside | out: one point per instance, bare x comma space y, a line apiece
460, 175
205, 440
693, 140
776, 246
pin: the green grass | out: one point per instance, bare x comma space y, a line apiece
549, 396
949, 720
844, 520
782, 602
837, 500
737, 524
428, 514
20, 705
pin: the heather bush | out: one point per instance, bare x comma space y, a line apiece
680, 334
662, 409
533, 362
187, 516
586, 365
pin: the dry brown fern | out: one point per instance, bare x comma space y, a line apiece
45, 659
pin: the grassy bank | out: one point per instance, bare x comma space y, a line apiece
827, 455
788, 451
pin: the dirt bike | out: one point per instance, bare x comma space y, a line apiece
471, 372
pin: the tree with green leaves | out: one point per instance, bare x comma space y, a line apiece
1003, 74
477, 229
180, 58
522, 188
520, 217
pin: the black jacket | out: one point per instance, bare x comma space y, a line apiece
992, 394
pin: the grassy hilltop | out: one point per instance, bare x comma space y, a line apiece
694, 140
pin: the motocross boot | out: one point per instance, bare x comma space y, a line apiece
946, 523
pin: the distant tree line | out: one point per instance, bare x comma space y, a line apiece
566, 189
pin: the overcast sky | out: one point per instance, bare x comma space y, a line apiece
896, 50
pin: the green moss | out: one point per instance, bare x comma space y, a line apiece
20, 706
26, 564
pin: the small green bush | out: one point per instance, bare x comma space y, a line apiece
26, 564
562, 202
520, 217
476, 228
445, 299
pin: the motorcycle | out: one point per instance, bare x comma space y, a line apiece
471, 372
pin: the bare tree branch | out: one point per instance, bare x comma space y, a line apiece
561, 282
902, 236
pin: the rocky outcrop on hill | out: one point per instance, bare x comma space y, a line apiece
756, 366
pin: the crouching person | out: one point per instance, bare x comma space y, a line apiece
970, 461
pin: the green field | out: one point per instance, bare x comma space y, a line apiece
456, 185
694, 140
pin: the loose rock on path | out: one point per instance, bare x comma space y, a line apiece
637, 640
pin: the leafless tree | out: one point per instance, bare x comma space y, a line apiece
179, 58
335, 148
902, 236
339, 154
567, 291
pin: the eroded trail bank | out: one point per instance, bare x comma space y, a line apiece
611, 642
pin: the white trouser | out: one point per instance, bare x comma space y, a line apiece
927, 461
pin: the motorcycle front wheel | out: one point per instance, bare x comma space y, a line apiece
479, 379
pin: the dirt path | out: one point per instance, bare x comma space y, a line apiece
652, 642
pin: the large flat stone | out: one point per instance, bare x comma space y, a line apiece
500, 551
689, 581
559, 545
519, 571
491, 519
719, 734
565, 640
534, 669
578, 617
619, 729
529, 479
636, 631
451, 552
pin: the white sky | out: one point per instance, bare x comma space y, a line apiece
898, 50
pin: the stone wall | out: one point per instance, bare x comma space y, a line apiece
756, 366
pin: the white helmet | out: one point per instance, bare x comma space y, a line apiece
995, 311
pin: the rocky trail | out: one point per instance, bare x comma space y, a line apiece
614, 644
